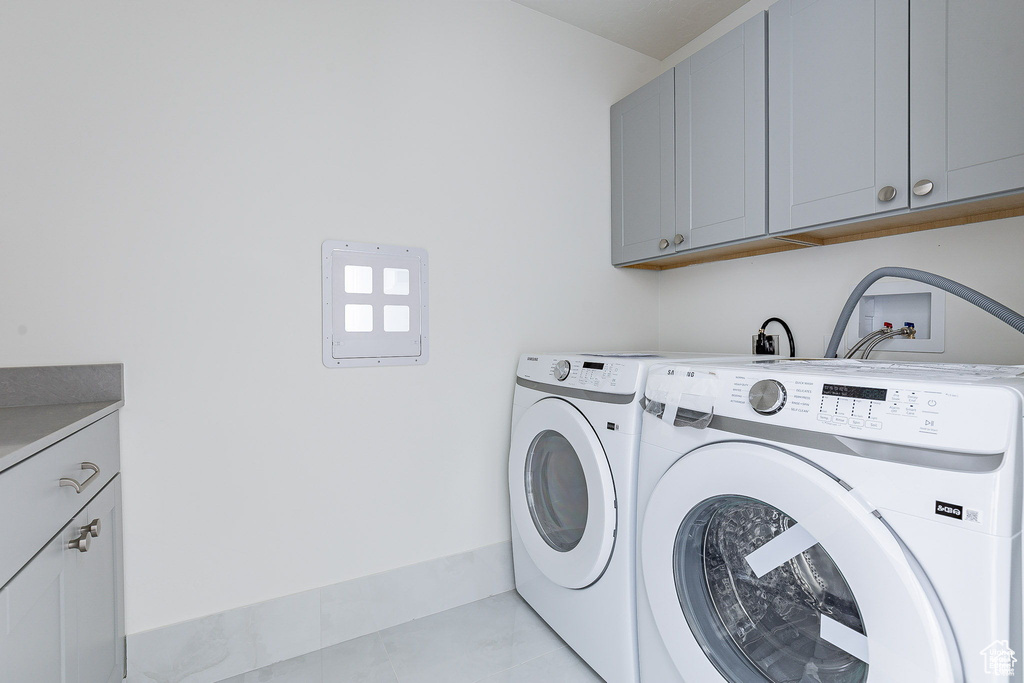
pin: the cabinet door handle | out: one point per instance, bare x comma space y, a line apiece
93, 528
923, 187
887, 194
81, 544
679, 239
68, 481
663, 244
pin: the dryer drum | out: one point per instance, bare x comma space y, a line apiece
765, 628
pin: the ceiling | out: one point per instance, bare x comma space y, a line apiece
656, 28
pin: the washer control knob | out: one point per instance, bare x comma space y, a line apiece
561, 370
767, 396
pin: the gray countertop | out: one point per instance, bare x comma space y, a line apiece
40, 406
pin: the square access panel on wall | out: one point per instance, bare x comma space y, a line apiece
374, 304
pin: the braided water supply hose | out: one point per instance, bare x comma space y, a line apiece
1008, 316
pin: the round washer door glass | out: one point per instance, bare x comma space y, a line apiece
556, 490
762, 628
760, 567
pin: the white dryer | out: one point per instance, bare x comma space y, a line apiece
830, 521
572, 490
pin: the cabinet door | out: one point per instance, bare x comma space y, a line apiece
967, 98
720, 139
99, 591
837, 110
643, 186
36, 643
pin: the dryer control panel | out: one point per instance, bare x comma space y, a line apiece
587, 373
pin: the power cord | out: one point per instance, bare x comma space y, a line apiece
764, 344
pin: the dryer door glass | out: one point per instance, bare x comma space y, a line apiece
556, 490
775, 627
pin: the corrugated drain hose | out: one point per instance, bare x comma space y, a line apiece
1008, 316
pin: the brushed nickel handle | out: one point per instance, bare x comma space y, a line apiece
887, 194
81, 544
923, 187
663, 244
68, 481
679, 239
93, 528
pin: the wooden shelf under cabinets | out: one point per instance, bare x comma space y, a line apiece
941, 217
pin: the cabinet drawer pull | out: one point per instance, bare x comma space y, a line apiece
679, 239
68, 481
887, 194
923, 187
81, 544
93, 528
663, 244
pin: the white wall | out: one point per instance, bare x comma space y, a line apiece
718, 306
168, 173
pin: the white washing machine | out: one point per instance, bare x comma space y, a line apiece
830, 521
572, 489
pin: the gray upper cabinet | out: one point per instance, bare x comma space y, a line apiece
643, 184
875, 108
838, 108
720, 140
967, 99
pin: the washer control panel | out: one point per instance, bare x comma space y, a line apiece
948, 415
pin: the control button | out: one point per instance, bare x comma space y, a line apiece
561, 370
874, 424
932, 403
824, 417
767, 396
840, 419
856, 422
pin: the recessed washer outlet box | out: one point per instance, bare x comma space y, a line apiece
899, 303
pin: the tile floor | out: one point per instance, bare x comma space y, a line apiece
495, 640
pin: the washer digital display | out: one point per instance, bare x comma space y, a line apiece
867, 393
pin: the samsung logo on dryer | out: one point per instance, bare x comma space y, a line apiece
532, 358
949, 510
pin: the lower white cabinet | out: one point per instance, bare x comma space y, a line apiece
34, 642
62, 613
97, 597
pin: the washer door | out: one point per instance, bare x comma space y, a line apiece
561, 492
759, 567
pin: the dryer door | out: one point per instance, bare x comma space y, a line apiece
760, 567
561, 493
